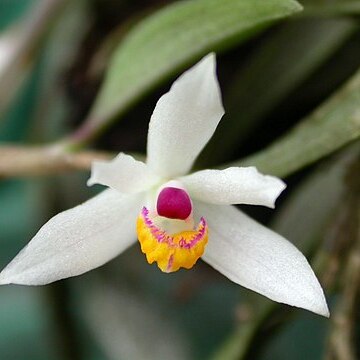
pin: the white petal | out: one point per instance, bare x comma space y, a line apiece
124, 174
235, 185
77, 240
259, 259
184, 120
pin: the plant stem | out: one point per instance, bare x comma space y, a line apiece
30, 161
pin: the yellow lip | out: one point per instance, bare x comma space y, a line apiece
171, 252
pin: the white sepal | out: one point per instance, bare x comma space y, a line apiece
77, 240
259, 259
184, 120
235, 185
124, 174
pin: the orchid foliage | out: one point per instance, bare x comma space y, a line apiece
178, 217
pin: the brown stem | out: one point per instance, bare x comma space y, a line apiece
341, 341
31, 161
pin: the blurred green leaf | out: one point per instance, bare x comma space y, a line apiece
315, 201
172, 39
331, 8
11, 10
277, 67
333, 125
25, 325
302, 338
131, 327
20, 46
15, 124
53, 108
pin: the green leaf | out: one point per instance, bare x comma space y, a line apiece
170, 40
315, 202
331, 8
278, 66
333, 125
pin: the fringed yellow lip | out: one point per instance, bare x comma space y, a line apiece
170, 251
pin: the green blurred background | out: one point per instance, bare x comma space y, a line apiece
271, 79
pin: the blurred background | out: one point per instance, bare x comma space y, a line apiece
85, 75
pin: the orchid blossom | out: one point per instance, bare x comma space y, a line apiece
178, 217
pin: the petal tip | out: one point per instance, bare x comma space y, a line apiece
323, 308
210, 58
316, 300
90, 181
209, 61
208, 64
281, 186
3, 279
325, 312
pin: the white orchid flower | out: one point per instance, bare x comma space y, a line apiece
164, 202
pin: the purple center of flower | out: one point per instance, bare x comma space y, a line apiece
174, 203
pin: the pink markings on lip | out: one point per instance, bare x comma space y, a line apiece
174, 203
162, 237
170, 262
